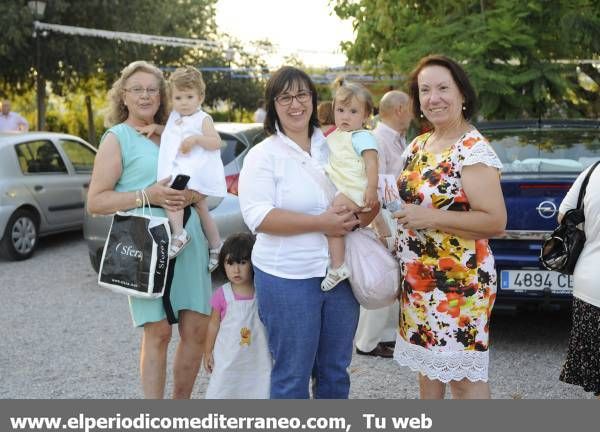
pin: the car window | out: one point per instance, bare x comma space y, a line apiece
81, 157
39, 157
549, 150
232, 148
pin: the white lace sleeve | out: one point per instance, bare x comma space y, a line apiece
482, 152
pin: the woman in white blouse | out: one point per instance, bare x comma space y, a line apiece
582, 366
285, 199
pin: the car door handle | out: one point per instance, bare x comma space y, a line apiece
38, 188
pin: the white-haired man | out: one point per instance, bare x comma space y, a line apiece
376, 332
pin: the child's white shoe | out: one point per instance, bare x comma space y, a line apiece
213, 258
178, 243
334, 277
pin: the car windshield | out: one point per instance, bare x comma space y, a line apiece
546, 150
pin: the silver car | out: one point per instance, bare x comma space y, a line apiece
237, 139
43, 177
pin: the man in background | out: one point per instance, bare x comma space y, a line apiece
10, 121
376, 332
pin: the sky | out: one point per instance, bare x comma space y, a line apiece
308, 29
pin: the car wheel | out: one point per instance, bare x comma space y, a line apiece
20, 236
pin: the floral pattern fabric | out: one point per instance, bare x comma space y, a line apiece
448, 282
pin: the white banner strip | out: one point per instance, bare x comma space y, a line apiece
130, 37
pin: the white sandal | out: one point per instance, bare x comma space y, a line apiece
174, 248
334, 277
213, 258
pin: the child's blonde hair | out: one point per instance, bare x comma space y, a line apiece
188, 78
345, 91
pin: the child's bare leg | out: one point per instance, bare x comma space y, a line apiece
176, 221
337, 271
211, 231
179, 237
337, 245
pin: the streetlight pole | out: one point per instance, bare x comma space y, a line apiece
229, 54
37, 8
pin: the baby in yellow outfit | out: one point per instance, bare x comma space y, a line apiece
352, 166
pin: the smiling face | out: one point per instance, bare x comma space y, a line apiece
440, 98
238, 273
294, 117
350, 116
142, 106
185, 101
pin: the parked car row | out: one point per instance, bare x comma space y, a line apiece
44, 179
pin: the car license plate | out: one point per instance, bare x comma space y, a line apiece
536, 280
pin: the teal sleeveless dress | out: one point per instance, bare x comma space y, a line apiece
191, 286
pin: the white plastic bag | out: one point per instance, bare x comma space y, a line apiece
375, 273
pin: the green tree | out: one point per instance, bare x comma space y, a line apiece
523, 57
68, 61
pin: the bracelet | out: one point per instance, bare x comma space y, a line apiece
138, 199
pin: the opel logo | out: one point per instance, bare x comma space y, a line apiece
547, 209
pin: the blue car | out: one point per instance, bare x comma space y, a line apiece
541, 160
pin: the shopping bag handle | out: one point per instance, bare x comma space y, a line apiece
146, 203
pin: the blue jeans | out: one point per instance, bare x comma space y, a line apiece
307, 328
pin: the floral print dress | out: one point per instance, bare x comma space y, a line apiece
448, 282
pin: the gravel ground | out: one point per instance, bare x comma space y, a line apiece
64, 337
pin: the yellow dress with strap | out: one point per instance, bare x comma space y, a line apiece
346, 168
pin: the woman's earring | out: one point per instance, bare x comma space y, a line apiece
464, 108
421, 115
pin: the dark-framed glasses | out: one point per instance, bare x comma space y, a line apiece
138, 91
286, 99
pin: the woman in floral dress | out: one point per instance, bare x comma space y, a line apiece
451, 187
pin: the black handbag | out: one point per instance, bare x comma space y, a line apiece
562, 248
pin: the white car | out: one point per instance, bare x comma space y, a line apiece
43, 176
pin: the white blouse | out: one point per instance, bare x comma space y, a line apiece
585, 276
271, 179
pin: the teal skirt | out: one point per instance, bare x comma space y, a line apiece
191, 285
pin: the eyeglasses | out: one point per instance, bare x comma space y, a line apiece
138, 91
286, 99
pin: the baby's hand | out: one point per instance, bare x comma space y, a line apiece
149, 130
186, 145
371, 199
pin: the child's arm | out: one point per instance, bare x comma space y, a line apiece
151, 129
211, 336
209, 140
372, 168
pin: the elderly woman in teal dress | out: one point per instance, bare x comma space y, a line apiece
125, 165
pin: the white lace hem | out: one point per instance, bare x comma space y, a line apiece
444, 366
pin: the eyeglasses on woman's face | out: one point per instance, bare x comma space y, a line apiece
139, 90
302, 96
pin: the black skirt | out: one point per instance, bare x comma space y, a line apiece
582, 366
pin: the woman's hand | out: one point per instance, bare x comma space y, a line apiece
160, 194
209, 362
415, 217
338, 221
